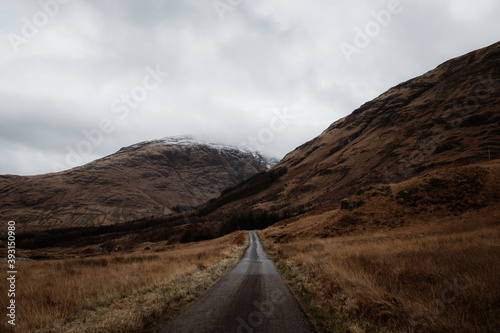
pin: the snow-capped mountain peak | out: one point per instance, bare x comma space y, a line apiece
189, 140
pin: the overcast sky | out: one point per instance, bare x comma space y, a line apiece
81, 79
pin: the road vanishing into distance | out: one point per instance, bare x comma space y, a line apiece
252, 298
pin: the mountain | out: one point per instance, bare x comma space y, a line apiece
447, 117
145, 179
387, 221
391, 203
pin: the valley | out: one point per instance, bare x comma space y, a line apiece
388, 221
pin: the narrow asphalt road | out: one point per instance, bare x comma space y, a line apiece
252, 298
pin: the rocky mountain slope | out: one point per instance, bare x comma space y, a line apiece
145, 179
445, 118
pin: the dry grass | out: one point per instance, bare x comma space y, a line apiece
436, 272
119, 292
390, 279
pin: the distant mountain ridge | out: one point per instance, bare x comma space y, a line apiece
146, 179
189, 140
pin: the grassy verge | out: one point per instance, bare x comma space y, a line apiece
419, 256
439, 281
326, 312
119, 292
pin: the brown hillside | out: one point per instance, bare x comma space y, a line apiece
421, 255
145, 179
444, 118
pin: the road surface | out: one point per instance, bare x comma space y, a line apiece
252, 298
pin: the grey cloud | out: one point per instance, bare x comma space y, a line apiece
226, 77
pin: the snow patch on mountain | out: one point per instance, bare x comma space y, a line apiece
189, 140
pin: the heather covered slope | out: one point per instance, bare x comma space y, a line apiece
146, 179
444, 118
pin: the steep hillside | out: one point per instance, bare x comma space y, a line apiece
149, 178
446, 117
403, 228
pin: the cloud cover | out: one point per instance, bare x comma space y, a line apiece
234, 66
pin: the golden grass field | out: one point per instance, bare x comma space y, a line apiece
422, 255
119, 292
431, 264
